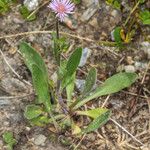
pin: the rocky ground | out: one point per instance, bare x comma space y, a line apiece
130, 108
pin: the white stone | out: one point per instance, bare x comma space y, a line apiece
129, 69
40, 139
146, 47
85, 54
31, 4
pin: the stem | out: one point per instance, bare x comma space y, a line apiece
132, 11
57, 28
60, 99
57, 45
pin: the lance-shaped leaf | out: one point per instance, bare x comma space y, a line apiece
73, 61
71, 67
41, 87
112, 85
39, 73
70, 89
31, 56
90, 81
97, 122
93, 113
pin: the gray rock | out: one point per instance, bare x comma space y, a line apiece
89, 13
91, 137
146, 47
40, 139
13, 85
54, 77
140, 65
4, 102
112, 35
85, 54
31, 4
129, 68
89, 2
15, 118
80, 84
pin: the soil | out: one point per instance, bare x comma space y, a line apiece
130, 108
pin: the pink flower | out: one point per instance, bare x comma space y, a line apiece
62, 8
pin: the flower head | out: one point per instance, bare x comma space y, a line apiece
62, 8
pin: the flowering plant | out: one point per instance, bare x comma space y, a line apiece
62, 8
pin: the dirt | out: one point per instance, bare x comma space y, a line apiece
130, 108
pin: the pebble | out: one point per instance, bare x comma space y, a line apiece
112, 35
91, 137
13, 85
87, 3
129, 69
40, 139
4, 103
146, 48
80, 84
89, 13
31, 4
140, 65
85, 54
54, 77
71, 23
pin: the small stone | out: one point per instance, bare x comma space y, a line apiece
140, 65
31, 4
146, 47
87, 3
71, 23
85, 54
93, 22
40, 139
4, 102
54, 77
15, 118
112, 35
129, 69
80, 84
89, 13
129, 60
91, 137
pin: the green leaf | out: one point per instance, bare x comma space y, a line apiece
73, 61
32, 111
93, 113
77, 1
113, 84
31, 56
97, 122
142, 1
4, 6
70, 89
44, 120
26, 14
71, 67
90, 81
41, 87
39, 73
40, 121
9, 140
117, 36
145, 17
